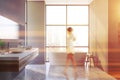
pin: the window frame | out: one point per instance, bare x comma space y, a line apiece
69, 25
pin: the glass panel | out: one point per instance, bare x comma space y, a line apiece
56, 35
56, 15
81, 50
63, 50
81, 35
77, 15
56, 50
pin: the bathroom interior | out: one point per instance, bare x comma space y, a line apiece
33, 39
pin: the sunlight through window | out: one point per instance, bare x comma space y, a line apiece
56, 35
55, 15
58, 19
77, 15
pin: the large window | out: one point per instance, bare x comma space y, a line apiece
58, 18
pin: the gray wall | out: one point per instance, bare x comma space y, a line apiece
36, 24
14, 10
99, 32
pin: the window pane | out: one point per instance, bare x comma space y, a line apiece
79, 49
77, 15
56, 50
56, 35
81, 35
56, 15
63, 50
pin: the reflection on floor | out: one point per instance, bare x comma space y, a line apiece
53, 72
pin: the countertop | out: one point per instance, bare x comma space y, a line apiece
17, 56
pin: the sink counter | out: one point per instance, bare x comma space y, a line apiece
17, 61
17, 56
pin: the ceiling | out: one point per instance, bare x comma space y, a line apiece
65, 1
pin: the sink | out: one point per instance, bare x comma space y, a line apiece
16, 50
3, 52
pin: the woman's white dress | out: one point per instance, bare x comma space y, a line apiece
70, 40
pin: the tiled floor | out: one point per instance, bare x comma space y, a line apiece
53, 72
39, 71
38, 60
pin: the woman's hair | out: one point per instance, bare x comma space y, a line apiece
69, 29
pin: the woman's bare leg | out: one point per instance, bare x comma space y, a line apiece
75, 66
67, 63
74, 62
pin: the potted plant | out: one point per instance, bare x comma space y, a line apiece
2, 44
